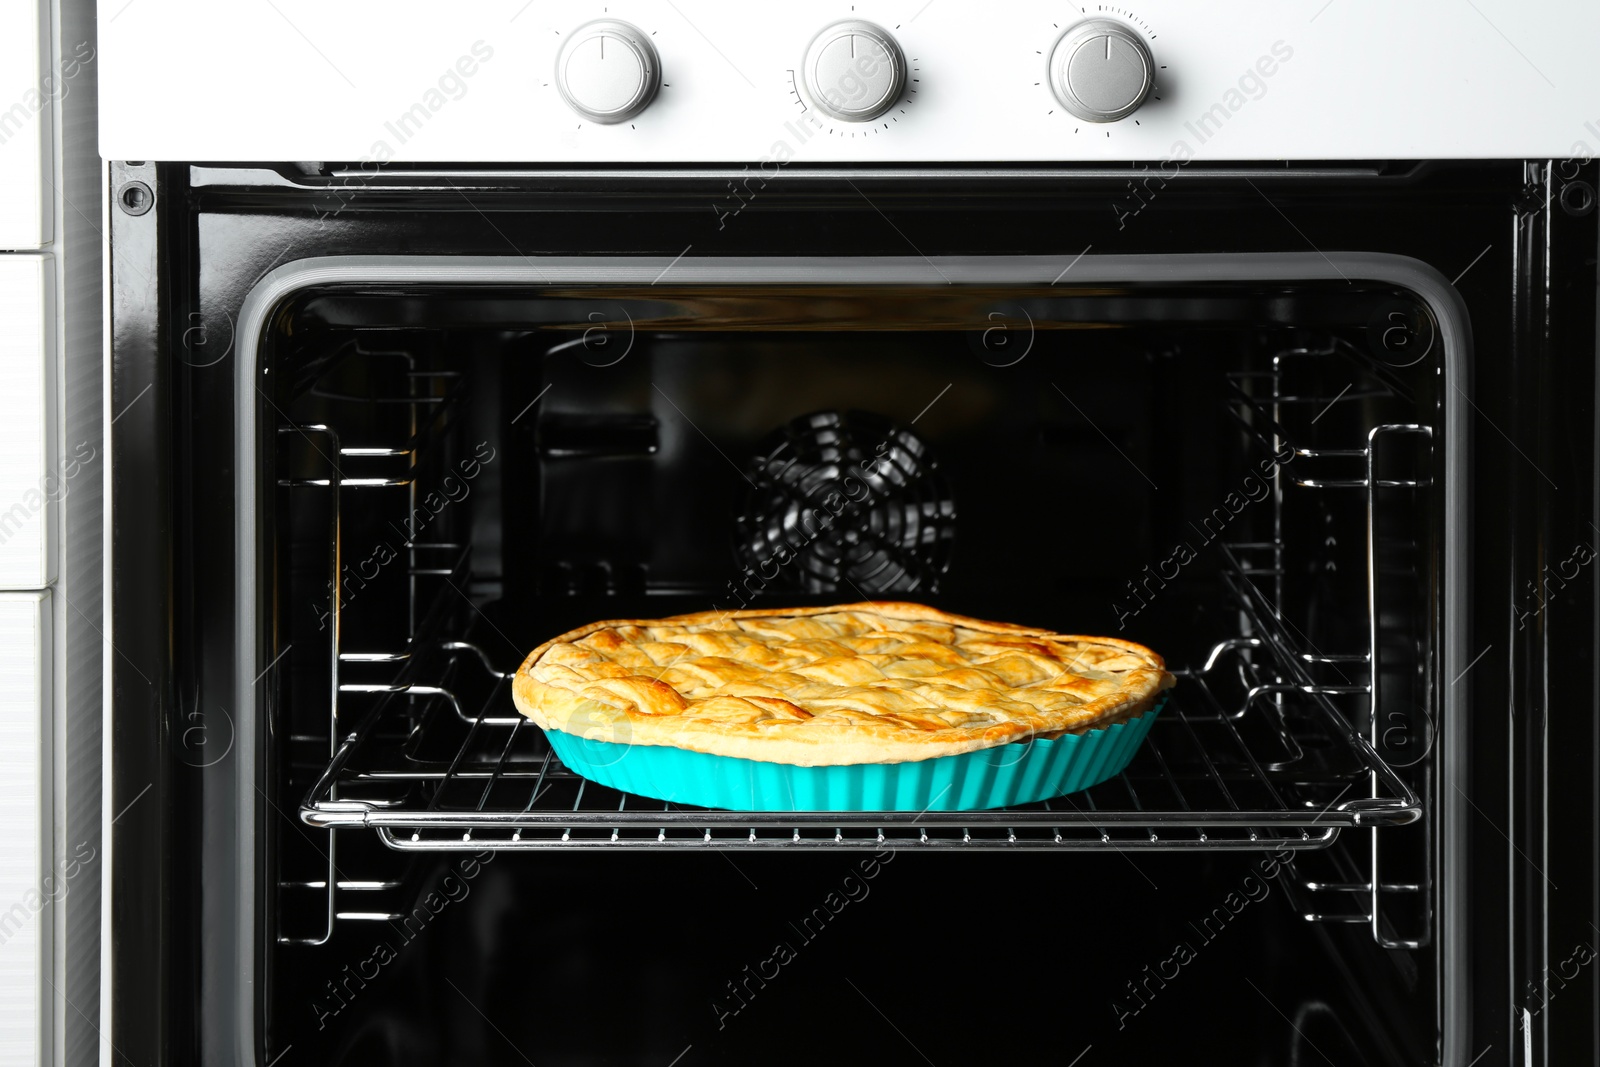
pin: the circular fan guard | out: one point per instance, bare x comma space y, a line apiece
844, 502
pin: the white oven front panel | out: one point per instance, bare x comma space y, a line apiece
366, 81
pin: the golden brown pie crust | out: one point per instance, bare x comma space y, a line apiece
852, 683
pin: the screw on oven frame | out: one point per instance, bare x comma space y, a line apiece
136, 198
1577, 198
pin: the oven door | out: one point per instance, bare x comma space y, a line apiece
1416, 344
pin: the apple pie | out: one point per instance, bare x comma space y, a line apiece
853, 683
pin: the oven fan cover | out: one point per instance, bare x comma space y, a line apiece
849, 502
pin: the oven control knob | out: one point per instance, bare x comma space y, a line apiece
854, 71
1101, 70
608, 71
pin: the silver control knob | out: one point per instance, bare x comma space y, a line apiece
608, 71
1101, 70
854, 71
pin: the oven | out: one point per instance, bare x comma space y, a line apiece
1315, 419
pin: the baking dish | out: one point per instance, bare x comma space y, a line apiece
1018, 773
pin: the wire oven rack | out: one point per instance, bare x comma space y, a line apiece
1239, 759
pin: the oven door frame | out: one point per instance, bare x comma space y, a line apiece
1432, 288
150, 322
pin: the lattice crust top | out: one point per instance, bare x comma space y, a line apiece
854, 683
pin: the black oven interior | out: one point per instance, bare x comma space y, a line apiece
1244, 477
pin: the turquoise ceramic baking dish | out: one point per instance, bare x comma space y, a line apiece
1017, 773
